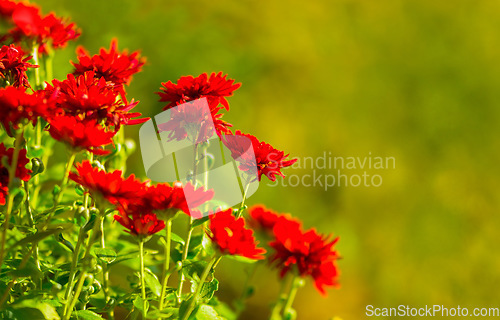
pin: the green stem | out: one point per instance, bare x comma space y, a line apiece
29, 214
64, 182
74, 261
36, 179
240, 303
71, 300
48, 67
203, 278
190, 229
68, 310
37, 62
143, 285
166, 267
296, 284
10, 197
242, 206
184, 257
275, 312
105, 272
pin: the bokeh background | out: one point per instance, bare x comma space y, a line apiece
416, 80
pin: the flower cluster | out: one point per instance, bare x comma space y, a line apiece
85, 111
29, 24
138, 202
305, 253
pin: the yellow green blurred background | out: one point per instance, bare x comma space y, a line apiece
416, 80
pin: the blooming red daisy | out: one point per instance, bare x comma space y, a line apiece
309, 253
81, 135
215, 88
14, 64
92, 98
110, 186
269, 160
17, 105
231, 236
114, 66
21, 171
139, 224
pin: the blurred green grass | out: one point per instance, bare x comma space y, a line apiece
414, 80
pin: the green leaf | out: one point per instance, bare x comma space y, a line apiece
165, 313
138, 303
106, 255
79, 190
65, 242
208, 246
56, 190
207, 312
35, 152
86, 315
36, 237
199, 222
194, 269
34, 309
152, 282
223, 309
29, 270
241, 259
208, 289
195, 245
184, 308
176, 238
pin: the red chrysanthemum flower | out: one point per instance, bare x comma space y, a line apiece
269, 160
110, 186
92, 98
7, 7
308, 252
16, 105
215, 88
165, 199
114, 66
14, 64
58, 31
81, 135
21, 171
231, 236
193, 121
140, 224
29, 23
262, 218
